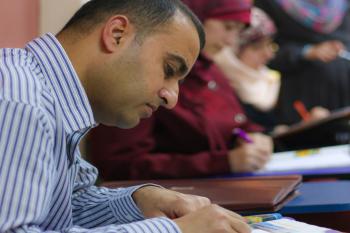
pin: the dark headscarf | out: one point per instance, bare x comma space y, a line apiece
236, 10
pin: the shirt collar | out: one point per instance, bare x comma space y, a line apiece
66, 86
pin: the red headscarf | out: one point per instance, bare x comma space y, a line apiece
236, 10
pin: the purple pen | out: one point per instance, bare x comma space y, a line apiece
242, 134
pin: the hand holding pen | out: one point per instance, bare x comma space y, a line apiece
240, 133
251, 152
314, 114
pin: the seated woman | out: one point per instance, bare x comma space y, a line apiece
194, 139
256, 85
312, 36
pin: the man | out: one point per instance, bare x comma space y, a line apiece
195, 138
116, 61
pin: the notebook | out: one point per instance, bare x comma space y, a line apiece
332, 130
286, 225
243, 195
309, 159
275, 222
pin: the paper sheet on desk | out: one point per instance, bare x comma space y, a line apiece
326, 157
286, 225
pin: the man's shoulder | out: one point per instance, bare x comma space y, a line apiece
16, 56
21, 79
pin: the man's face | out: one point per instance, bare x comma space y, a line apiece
146, 75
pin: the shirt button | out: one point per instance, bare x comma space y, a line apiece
240, 118
212, 85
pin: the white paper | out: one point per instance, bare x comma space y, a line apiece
326, 157
259, 231
286, 225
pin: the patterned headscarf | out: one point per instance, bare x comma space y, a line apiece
322, 16
261, 26
237, 10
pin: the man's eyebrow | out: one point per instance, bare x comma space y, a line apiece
181, 63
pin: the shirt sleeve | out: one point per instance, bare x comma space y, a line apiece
26, 190
113, 210
154, 225
102, 205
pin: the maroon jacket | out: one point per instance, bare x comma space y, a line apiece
191, 140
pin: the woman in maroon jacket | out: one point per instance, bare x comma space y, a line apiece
195, 138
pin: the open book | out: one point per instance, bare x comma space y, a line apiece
286, 225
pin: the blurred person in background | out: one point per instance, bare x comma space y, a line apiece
244, 65
310, 35
256, 85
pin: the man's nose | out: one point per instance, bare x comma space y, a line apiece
170, 96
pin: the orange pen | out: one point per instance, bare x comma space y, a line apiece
301, 109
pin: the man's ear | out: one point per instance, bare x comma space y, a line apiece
116, 32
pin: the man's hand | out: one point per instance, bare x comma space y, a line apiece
248, 157
191, 213
212, 219
155, 202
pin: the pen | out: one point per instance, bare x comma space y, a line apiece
242, 134
344, 54
262, 218
300, 108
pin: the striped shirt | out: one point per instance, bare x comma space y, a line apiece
45, 185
